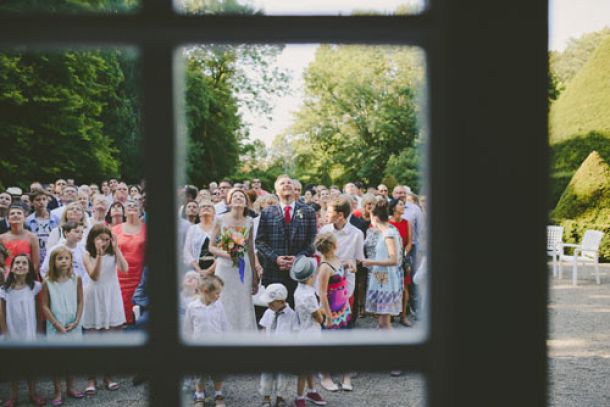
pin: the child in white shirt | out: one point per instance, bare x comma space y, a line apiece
310, 318
279, 318
73, 233
205, 315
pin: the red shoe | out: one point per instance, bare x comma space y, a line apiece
315, 398
300, 403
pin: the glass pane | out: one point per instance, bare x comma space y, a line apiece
296, 7
98, 390
367, 389
71, 182
70, 6
333, 131
579, 123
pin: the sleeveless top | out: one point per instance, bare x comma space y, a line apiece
338, 297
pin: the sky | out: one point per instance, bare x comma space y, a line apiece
567, 19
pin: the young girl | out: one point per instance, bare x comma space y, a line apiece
334, 296
18, 316
103, 302
204, 316
62, 305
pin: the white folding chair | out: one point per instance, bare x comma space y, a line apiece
585, 252
554, 240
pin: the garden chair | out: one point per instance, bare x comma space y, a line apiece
585, 252
554, 240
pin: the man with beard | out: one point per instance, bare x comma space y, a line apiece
285, 231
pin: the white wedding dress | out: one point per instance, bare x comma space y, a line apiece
236, 297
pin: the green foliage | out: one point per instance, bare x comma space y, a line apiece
70, 6
585, 204
565, 65
52, 112
217, 7
212, 121
585, 104
587, 197
360, 108
567, 155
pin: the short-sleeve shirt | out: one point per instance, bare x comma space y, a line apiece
306, 303
21, 311
201, 320
286, 321
42, 229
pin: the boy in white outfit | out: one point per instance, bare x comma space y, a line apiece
279, 318
205, 316
310, 318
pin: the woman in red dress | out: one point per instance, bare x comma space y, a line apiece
131, 237
397, 209
18, 240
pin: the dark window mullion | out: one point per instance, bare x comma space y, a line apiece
159, 128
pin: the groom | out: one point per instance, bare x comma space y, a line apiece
285, 231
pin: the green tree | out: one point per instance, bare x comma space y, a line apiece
359, 109
566, 64
213, 124
51, 108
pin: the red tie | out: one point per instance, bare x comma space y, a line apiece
287, 214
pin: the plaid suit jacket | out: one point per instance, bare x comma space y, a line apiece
275, 238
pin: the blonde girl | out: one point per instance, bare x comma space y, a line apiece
62, 305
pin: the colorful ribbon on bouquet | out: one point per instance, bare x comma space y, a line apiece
242, 268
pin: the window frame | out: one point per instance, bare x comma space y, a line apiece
486, 345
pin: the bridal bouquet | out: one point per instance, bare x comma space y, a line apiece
233, 241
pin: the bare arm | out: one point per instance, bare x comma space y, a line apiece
46, 309
93, 266
35, 251
3, 327
409, 243
120, 259
318, 316
323, 288
79, 304
392, 259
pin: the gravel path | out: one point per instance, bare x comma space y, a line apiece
579, 362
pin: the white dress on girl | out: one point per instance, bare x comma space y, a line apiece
236, 296
21, 312
103, 304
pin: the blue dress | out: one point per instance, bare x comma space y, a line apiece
384, 292
64, 304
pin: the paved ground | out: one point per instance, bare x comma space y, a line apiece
579, 361
579, 344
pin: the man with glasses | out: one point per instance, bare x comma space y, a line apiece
222, 206
383, 190
69, 194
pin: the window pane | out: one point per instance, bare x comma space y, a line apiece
70, 7
368, 389
296, 7
579, 120
347, 125
71, 168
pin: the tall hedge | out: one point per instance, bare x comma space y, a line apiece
585, 203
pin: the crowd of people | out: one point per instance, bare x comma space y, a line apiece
297, 260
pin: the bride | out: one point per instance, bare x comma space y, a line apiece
236, 297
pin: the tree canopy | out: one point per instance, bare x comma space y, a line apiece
360, 116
